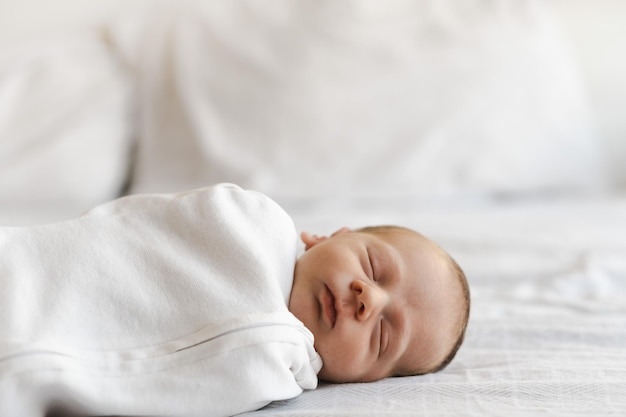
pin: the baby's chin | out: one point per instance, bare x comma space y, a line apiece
323, 375
329, 376
338, 375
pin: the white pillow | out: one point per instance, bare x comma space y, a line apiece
65, 130
359, 98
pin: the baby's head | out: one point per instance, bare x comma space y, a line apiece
380, 301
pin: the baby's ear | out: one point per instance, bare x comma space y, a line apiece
311, 240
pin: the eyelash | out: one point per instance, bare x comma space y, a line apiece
380, 342
369, 258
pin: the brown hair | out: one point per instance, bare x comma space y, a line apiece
458, 274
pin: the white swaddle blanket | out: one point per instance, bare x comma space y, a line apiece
153, 305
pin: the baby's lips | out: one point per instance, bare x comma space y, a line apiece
328, 304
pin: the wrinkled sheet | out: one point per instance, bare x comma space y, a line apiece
547, 334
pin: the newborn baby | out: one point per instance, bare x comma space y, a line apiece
380, 301
195, 304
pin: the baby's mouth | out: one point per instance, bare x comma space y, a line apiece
328, 303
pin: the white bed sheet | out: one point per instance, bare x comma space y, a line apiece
548, 326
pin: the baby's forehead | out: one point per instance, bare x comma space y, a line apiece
408, 239
399, 231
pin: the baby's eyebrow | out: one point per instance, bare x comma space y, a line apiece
380, 337
370, 262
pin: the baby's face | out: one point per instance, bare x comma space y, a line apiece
378, 304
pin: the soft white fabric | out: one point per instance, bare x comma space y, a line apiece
312, 99
595, 32
65, 131
153, 305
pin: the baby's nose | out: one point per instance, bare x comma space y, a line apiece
370, 300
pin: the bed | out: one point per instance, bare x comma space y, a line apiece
495, 128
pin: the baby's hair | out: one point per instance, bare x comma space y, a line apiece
458, 274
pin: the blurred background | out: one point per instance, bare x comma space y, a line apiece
308, 100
